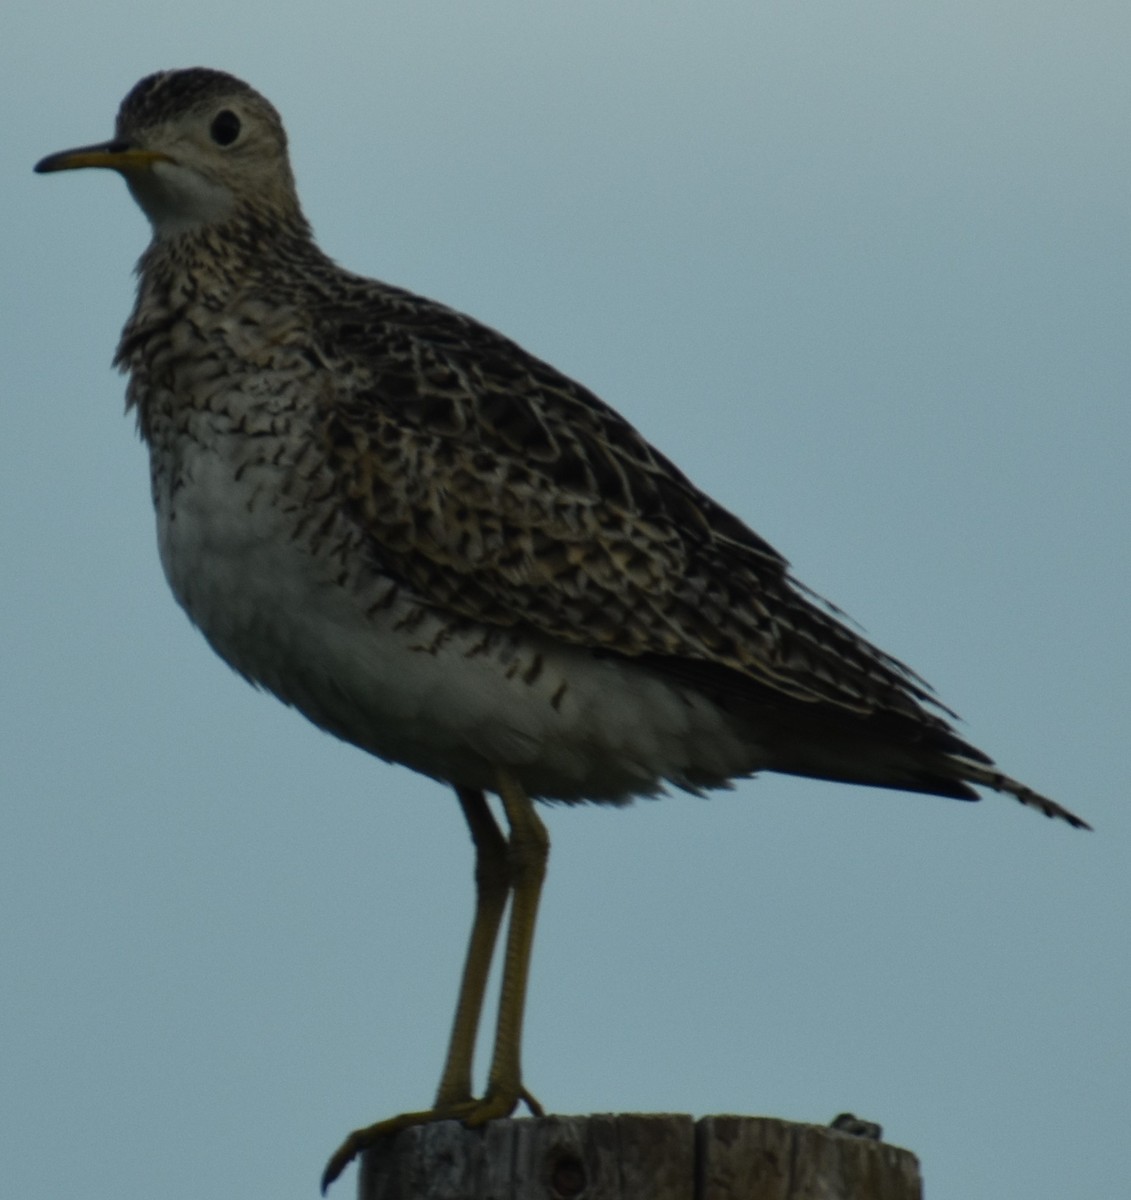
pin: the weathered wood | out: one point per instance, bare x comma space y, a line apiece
760, 1158
637, 1156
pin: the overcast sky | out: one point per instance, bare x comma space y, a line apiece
862, 270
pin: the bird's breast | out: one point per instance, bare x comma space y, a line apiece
286, 588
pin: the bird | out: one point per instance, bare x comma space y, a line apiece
441, 549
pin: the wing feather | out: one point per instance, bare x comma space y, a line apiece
502, 491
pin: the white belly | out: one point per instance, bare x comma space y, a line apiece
403, 682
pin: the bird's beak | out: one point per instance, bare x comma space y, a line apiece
117, 155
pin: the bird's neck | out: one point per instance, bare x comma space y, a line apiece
194, 286
251, 244
212, 265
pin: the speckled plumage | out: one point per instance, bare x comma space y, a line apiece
433, 469
440, 548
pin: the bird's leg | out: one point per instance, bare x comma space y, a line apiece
514, 866
528, 850
492, 885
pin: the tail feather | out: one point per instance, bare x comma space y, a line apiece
989, 776
909, 748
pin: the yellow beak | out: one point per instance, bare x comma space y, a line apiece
117, 155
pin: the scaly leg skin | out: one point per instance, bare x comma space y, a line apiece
516, 867
527, 853
492, 886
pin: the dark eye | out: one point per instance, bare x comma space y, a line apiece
225, 127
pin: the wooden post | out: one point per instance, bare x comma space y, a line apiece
637, 1156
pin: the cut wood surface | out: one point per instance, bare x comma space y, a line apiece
637, 1156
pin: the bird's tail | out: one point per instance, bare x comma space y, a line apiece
987, 775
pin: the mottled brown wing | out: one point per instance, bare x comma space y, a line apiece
500, 490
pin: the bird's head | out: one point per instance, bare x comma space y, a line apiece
194, 146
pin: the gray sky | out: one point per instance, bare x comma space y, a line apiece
861, 269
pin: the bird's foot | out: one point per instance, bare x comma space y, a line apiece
472, 1113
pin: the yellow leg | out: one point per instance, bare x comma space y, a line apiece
528, 851
492, 885
516, 867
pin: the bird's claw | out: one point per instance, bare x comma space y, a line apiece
472, 1113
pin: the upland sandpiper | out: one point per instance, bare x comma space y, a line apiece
442, 550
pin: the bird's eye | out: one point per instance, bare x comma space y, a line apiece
225, 127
